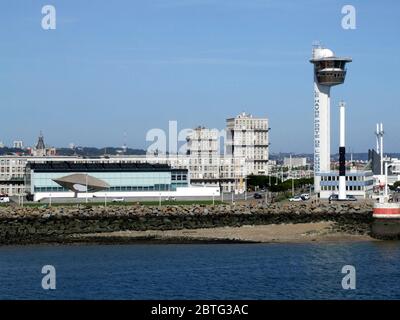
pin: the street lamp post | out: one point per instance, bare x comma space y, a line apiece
292, 186
86, 187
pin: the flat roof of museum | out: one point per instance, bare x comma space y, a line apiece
69, 166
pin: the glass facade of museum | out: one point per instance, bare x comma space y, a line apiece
121, 177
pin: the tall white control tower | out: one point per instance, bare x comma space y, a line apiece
329, 71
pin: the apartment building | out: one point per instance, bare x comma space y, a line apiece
12, 173
248, 138
203, 153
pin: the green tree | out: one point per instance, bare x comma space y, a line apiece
258, 182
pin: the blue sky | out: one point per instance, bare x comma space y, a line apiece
129, 66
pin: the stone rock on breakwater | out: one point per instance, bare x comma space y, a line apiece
55, 224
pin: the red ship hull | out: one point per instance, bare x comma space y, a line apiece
386, 211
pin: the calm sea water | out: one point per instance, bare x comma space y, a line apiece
234, 271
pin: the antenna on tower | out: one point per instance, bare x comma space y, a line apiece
316, 44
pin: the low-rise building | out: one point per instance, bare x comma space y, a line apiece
13, 174
294, 162
86, 179
358, 183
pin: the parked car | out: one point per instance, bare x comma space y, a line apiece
305, 196
170, 199
335, 197
296, 199
258, 196
118, 200
351, 198
4, 199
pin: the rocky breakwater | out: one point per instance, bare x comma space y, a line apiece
19, 225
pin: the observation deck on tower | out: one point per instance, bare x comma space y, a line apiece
329, 70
